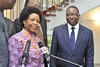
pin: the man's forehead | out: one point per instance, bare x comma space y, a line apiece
35, 0
73, 10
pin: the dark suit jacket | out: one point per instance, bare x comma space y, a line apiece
10, 27
3, 42
44, 29
61, 47
43, 24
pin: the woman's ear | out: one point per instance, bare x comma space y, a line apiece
24, 22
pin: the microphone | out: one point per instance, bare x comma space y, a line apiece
44, 51
26, 53
67, 61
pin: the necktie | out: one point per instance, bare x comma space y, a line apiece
73, 39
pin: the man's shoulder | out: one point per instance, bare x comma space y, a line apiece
85, 28
17, 20
61, 26
8, 20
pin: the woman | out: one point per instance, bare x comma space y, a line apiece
30, 18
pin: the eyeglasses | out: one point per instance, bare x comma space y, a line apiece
77, 14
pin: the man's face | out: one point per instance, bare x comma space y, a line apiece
7, 4
72, 16
34, 3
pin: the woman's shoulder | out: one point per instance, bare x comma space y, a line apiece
16, 36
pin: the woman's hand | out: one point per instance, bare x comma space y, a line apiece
40, 34
38, 29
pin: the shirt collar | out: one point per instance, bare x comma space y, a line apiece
27, 33
76, 26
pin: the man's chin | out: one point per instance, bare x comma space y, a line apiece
9, 7
72, 24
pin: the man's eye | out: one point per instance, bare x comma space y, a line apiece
72, 14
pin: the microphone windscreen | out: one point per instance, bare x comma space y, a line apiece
44, 50
27, 47
40, 44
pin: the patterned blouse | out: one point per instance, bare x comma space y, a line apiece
16, 47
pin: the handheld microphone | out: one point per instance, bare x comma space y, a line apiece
44, 51
26, 53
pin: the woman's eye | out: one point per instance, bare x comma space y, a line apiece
32, 19
38, 21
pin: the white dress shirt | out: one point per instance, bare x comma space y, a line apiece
75, 30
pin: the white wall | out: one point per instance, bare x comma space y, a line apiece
86, 5
89, 22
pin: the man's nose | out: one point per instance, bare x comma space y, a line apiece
72, 16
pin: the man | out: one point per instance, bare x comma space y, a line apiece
72, 42
34, 3
4, 4
10, 27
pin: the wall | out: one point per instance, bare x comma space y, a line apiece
88, 21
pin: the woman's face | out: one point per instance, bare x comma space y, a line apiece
32, 23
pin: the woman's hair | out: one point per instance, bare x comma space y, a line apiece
26, 12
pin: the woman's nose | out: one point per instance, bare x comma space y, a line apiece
35, 22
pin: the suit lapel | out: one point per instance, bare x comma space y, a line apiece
5, 26
79, 37
6, 31
66, 37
